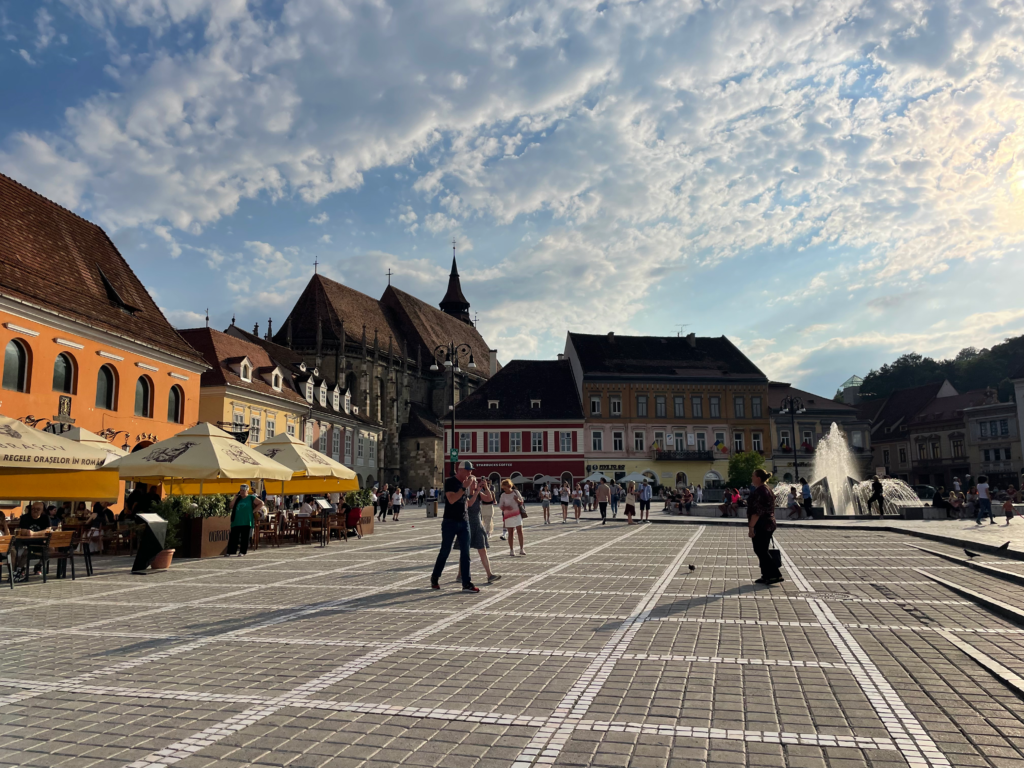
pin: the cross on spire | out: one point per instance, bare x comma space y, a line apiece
316, 263
389, 274
453, 247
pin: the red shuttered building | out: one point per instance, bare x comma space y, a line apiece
526, 421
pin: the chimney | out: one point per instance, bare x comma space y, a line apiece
691, 339
611, 337
493, 354
561, 356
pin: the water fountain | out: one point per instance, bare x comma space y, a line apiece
835, 483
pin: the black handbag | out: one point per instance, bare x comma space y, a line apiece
775, 554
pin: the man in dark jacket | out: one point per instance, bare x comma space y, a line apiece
761, 526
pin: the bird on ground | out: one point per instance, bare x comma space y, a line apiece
970, 554
692, 567
1004, 547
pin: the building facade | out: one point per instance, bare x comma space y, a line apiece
257, 390
525, 422
672, 408
84, 343
796, 435
380, 352
993, 442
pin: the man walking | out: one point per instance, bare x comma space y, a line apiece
604, 495
984, 501
455, 525
761, 526
805, 494
645, 501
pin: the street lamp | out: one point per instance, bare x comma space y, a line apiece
448, 354
793, 405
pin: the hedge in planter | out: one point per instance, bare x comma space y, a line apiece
178, 510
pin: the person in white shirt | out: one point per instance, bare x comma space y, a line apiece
511, 516
956, 484
306, 510
396, 503
564, 497
545, 503
586, 496
984, 501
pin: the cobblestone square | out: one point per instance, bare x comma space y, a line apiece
600, 647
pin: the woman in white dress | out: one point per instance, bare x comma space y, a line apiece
565, 497
511, 517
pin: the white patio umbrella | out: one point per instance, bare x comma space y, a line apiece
597, 477
636, 477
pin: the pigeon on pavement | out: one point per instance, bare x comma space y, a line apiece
694, 568
970, 554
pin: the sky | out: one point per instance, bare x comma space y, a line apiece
829, 183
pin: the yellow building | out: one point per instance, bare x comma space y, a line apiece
245, 389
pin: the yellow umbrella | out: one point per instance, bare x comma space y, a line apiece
40, 465
313, 472
201, 460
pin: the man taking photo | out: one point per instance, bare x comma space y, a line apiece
455, 524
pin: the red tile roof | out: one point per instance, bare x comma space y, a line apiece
56, 260
220, 348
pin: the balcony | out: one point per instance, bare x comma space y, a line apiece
684, 456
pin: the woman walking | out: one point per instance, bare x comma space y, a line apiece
616, 492
480, 495
383, 500
577, 501
761, 526
564, 497
511, 516
545, 503
630, 502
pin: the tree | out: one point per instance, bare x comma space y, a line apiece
742, 466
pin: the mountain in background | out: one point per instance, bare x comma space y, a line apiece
969, 369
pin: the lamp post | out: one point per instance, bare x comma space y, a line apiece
448, 356
793, 405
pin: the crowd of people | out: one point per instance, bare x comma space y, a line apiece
977, 500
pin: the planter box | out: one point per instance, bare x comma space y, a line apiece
365, 522
206, 537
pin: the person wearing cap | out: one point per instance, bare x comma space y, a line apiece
455, 525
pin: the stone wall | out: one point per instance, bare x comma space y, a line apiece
419, 458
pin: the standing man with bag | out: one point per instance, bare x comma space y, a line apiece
604, 495
761, 526
455, 525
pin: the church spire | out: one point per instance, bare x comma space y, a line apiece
454, 302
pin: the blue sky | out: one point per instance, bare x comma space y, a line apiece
830, 184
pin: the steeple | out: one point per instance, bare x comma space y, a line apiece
454, 303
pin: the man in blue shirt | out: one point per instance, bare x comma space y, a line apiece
645, 501
805, 493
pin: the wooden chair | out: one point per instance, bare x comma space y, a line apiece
268, 530
62, 549
38, 547
5, 559
333, 525
317, 529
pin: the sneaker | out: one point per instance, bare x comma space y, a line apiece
776, 580
762, 580
19, 576
522, 552
493, 577
471, 588
511, 553
434, 584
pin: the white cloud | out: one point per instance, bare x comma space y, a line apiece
165, 234
45, 29
184, 318
634, 142
26, 56
326, 239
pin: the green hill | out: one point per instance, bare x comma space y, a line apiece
971, 368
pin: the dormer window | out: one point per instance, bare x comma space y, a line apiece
334, 400
535, 403
492, 405
302, 367
348, 402
246, 372
309, 391
323, 394
316, 371
276, 383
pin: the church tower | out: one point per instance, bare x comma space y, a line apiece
454, 303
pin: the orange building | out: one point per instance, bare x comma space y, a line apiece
83, 342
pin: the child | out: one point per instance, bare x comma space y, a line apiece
1008, 509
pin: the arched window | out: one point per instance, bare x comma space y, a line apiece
143, 397
63, 374
106, 388
174, 403
16, 366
